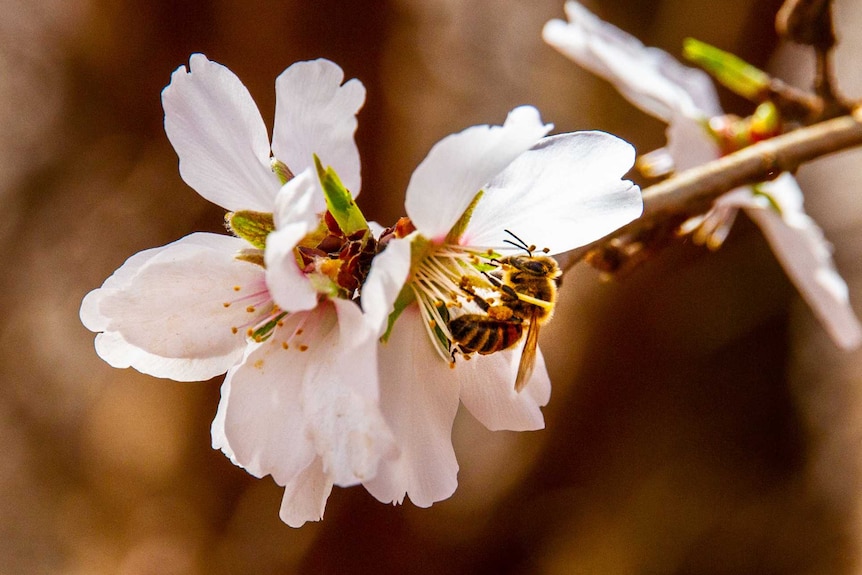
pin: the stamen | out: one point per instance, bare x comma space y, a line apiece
438, 285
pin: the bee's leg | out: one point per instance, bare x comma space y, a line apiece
480, 301
509, 291
496, 281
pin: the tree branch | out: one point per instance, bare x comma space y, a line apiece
691, 192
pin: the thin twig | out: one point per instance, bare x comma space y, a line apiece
690, 192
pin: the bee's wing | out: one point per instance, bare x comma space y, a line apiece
528, 355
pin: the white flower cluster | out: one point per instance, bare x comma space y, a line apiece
331, 335
685, 99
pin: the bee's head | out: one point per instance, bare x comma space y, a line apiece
540, 266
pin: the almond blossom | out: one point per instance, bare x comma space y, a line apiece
300, 400
473, 190
685, 98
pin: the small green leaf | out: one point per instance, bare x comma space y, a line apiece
251, 226
736, 74
339, 202
458, 229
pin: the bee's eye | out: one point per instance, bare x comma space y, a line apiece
535, 267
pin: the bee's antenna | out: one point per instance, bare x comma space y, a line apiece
519, 243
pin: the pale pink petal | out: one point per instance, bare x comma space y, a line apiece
264, 424
316, 114
419, 398
785, 191
295, 216
219, 136
689, 143
488, 391
648, 77
217, 434
119, 353
460, 165
799, 245
178, 311
565, 192
340, 395
389, 271
655, 164
296, 201
217, 427
305, 496
91, 315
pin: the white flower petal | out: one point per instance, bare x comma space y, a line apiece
219, 136
264, 424
786, 193
648, 77
305, 496
689, 143
340, 396
562, 194
163, 312
119, 353
91, 315
217, 433
389, 271
295, 216
488, 391
296, 201
799, 245
315, 114
461, 164
419, 398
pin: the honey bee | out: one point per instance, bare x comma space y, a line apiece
528, 290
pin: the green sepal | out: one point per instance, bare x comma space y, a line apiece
405, 297
251, 226
281, 170
461, 225
733, 72
252, 256
419, 248
339, 202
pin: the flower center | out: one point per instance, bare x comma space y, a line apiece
262, 313
445, 282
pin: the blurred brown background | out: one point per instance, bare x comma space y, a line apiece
700, 422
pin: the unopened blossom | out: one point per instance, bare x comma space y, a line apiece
465, 200
698, 132
269, 307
